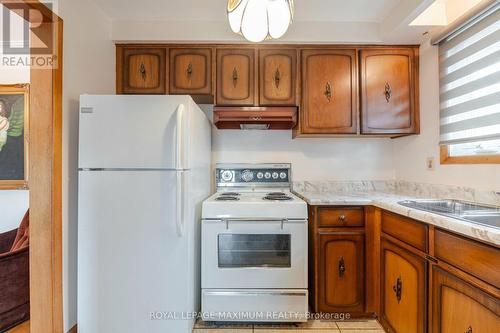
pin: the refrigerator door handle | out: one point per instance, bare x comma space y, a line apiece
180, 137
179, 188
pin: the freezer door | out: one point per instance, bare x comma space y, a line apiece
133, 259
128, 131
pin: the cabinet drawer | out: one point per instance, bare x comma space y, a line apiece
341, 217
405, 229
475, 258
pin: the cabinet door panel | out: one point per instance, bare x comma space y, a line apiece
403, 289
460, 307
277, 76
388, 91
190, 71
142, 71
235, 77
341, 272
329, 101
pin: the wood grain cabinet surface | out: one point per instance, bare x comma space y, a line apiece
403, 289
277, 76
190, 71
141, 70
460, 307
329, 91
236, 77
341, 272
389, 91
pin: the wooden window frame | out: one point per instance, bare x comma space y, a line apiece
482, 159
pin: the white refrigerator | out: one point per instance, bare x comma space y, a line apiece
144, 170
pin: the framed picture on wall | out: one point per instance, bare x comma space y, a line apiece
14, 136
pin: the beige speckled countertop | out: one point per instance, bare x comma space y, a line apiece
388, 199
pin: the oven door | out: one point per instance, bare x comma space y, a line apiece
249, 253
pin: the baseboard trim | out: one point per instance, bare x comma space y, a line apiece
72, 330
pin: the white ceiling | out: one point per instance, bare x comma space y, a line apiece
215, 10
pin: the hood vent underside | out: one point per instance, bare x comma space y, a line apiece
259, 118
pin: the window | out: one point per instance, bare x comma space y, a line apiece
469, 62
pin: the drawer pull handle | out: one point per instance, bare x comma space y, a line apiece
341, 267
398, 289
469, 330
235, 77
328, 91
142, 70
189, 71
342, 218
388, 92
277, 78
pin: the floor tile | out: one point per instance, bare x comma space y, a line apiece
359, 325
311, 324
296, 330
221, 325
223, 330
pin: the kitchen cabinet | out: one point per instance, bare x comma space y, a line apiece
337, 260
140, 70
236, 77
341, 271
403, 289
277, 76
329, 91
459, 306
389, 91
190, 71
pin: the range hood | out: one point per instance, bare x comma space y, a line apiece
262, 118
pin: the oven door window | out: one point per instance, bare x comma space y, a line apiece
253, 250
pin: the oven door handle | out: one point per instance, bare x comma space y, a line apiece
248, 219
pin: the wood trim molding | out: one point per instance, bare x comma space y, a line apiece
445, 158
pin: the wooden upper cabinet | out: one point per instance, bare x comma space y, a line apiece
191, 71
341, 272
141, 70
236, 77
389, 91
403, 290
277, 76
460, 307
329, 92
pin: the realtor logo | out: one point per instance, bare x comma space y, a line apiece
28, 42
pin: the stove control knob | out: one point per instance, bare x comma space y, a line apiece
267, 175
275, 175
282, 175
260, 175
247, 175
226, 175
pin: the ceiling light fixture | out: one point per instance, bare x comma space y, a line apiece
257, 20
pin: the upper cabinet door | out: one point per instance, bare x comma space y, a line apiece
141, 70
236, 77
389, 91
277, 76
191, 71
329, 92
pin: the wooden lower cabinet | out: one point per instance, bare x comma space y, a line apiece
341, 272
403, 289
459, 307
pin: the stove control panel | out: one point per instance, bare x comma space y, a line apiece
253, 175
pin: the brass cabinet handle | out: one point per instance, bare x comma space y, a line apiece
142, 70
469, 330
398, 288
255, 118
328, 91
388, 92
189, 71
341, 267
235, 77
342, 218
277, 77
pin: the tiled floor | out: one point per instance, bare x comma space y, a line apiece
312, 326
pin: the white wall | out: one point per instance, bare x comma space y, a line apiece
410, 153
13, 204
88, 68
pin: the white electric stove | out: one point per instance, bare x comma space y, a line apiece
254, 246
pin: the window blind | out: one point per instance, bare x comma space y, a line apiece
469, 65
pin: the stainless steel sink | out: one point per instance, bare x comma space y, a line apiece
480, 214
